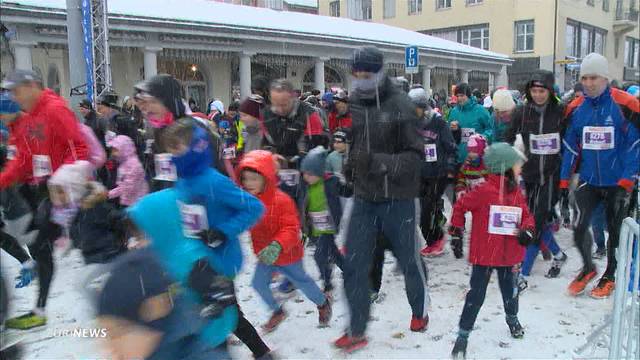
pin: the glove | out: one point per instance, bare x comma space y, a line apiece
212, 237
270, 254
216, 291
27, 273
525, 237
456, 241
564, 208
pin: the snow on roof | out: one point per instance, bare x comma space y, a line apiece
212, 12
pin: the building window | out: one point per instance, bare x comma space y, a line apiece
474, 2
572, 40
475, 36
599, 37
524, 31
359, 9
334, 8
605, 5
389, 10
591, 2
249, 2
415, 7
631, 53
451, 35
583, 39
443, 4
274, 4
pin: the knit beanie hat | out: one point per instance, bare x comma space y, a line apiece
463, 88
501, 157
314, 162
342, 134
476, 144
341, 96
503, 100
594, 64
251, 106
7, 105
73, 178
419, 97
167, 89
217, 105
367, 59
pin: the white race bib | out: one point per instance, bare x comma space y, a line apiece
41, 166
430, 152
466, 133
598, 137
12, 152
504, 220
229, 153
149, 146
194, 219
475, 182
289, 176
109, 136
321, 220
544, 144
165, 169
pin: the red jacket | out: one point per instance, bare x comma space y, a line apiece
490, 249
50, 129
339, 121
280, 221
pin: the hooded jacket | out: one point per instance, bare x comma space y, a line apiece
385, 129
435, 132
486, 248
613, 154
472, 118
49, 130
280, 221
130, 182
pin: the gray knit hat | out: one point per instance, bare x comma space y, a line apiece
500, 157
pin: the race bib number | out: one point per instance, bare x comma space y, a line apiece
12, 152
475, 182
165, 170
194, 219
544, 144
289, 177
109, 136
41, 166
504, 220
229, 153
321, 220
466, 133
149, 146
598, 137
430, 152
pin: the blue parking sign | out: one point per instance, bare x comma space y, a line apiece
411, 59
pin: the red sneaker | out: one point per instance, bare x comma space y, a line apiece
351, 343
437, 247
324, 313
426, 250
419, 324
276, 318
578, 285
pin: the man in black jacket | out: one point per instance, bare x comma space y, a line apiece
384, 168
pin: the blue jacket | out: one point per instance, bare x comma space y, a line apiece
607, 166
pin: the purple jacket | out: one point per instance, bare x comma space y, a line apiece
130, 183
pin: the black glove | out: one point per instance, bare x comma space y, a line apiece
564, 207
212, 237
456, 241
525, 237
216, 292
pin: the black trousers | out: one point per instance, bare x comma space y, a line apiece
9, 244
375, 274
432, 209
542, 199
250, 337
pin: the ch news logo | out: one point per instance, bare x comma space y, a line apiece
81, 332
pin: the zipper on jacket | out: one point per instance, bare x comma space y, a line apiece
541, 162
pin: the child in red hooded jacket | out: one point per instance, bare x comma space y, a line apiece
502, 227
276, 238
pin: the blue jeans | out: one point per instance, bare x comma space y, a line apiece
598, 225
532, 250
325, 256
295, 273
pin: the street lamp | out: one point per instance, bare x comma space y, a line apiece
194, 68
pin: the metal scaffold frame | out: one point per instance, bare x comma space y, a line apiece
100, 38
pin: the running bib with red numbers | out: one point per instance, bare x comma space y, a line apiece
544, 144
321, 220
598, 137
12, 152
194, 219
229, 153
504, 220
165, 170
289, 177
109, 136
430, 152
466, 133
41, 166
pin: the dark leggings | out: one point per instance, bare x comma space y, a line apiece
250, 337
432, 209
375, 274
11, 246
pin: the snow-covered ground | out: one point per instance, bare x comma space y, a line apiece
555, 323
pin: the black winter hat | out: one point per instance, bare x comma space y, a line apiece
543, 79
463, 88
167, 89
368, 59
84, 103
108, 99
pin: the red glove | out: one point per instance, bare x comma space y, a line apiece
626, 184
564, 184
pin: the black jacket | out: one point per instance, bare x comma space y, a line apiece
98, 125
385, 158
527, 120
434, 130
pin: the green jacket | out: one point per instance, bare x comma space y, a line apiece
472, 119
318, 210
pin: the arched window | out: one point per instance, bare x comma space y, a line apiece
332, 78
193, 82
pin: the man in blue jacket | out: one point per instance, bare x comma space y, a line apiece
602, 136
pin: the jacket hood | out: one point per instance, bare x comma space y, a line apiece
96, 193
46, 98
469, 104
264, 163
124, 145
73, 178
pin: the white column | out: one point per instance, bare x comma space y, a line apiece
492, 82
503, 78
318, 78
245, 75
464, 76
151, 61
22, 52
426, 79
